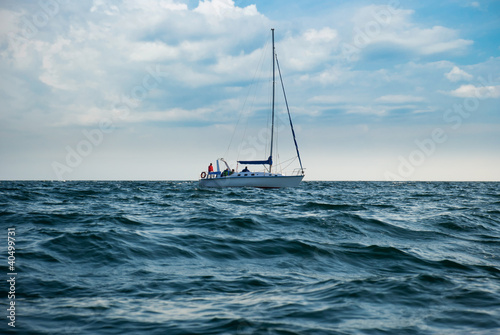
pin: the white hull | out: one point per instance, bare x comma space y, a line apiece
269, 181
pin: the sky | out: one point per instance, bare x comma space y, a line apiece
156, 90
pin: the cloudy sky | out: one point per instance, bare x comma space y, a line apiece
156, 90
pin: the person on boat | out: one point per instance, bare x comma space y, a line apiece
232, 171
245, 169
210, 168
225, 173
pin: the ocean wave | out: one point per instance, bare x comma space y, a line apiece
328, 206
325, 258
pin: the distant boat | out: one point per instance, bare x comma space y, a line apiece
268, 178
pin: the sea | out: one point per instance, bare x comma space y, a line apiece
169, 257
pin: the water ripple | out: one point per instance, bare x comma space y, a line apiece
325, 258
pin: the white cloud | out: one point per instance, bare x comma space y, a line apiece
328, 99
309, 49
363, 110
426, 110
95, 115
171, 115
425, 41
471, 91
399, 99
381, 25
236, 67
224, 9
103, 7
154, 51
474, 4
369, 17
9, 20
457, 74
106, 52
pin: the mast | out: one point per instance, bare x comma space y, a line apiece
272, 122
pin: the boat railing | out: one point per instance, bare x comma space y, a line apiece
298, 172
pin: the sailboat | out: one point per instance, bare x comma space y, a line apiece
266, 179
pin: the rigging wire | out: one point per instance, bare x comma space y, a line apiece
289, 116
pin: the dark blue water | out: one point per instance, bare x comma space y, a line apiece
325, 258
